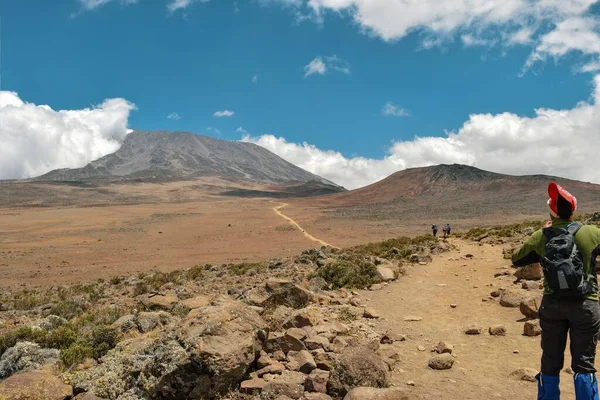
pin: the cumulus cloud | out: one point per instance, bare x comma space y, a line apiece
551, 27
174, 116
37, 139
224, 113
391, 110
321, 65
554, 142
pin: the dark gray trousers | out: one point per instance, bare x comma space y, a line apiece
578, 318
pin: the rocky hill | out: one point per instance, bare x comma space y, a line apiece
456, 191
164, 156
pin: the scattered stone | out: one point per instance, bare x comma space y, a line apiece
273, 369
306, 362
531, 285
377, 286
317, 381
385, 273
369, 393
510, 298
317, 342
147, 321
413, 319
301, 319
125, 323
390, 338
524, 374
279, 355
532, 328
283, 342
473, 330
286, 293
502, 273
421, 347
533, 272
441, 361
516, 351
196, 302
297, 333
529, 307
453, 305
444, 347
316, 396
357, 366
497, 330
370, 313
252, 386
290, 384
35, 385
495, 293
411, 383
158, 302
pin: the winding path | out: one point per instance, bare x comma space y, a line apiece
277, 211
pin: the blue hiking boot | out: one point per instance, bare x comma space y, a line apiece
586, 387
548, 387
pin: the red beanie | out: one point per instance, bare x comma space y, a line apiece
558, 197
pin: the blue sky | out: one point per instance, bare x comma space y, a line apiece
251, 57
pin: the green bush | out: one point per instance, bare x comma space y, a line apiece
349, 274
244, 268
75, 355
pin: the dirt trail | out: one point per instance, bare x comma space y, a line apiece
483, 362
277, 211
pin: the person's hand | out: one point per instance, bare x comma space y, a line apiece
548, 224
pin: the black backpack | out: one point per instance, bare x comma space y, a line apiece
563, 263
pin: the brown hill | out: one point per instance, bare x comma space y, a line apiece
454, 191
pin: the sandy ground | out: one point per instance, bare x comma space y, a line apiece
483, 362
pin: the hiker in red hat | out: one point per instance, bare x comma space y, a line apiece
567, 252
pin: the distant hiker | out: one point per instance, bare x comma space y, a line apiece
448, 229
434, 229
567, 252
445, 230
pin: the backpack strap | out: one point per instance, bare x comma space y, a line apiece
574, 227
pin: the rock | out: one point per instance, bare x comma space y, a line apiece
385, 273
495, 293
222, 339
158, 302
357, 366
368, 393
196, 302
529, 307
324, 361
283, 342
421, 347
52, 322
411, 383
35, 385
441, 361
316, 396
389, 355
530, 285
275, 368
533, 272
279, 355
297, 333
302, 319
317, 283
473, 330
452, 305
524, 374
391, 337
370, 313
444, 347
289, 384
26, 356
286, 293
509, 298
317, 342
317, 381
252, 386
125, 323
376, 286
497, 330
87, 396
413, 318
532, 328
306, 362
147, 321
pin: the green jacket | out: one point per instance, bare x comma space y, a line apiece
588, 243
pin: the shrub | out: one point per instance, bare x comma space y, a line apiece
75, 355
359, 274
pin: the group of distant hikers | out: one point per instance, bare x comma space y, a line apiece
445, 229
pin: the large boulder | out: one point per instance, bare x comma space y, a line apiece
286, 293
533, 272
532, 328
368, 393
509, 298
222, 339
26, 356
357, 366
386, 273
35, 385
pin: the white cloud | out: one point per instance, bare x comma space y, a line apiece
175, 5
90, 5
174, 116
241, 130
224, 113
555, 142
552, 27
391, 110
321, 65
255, 79
592, 66
37, 139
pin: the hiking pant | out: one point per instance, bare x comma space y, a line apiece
581, 320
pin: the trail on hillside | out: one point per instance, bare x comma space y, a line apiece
483, 362
277, 211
